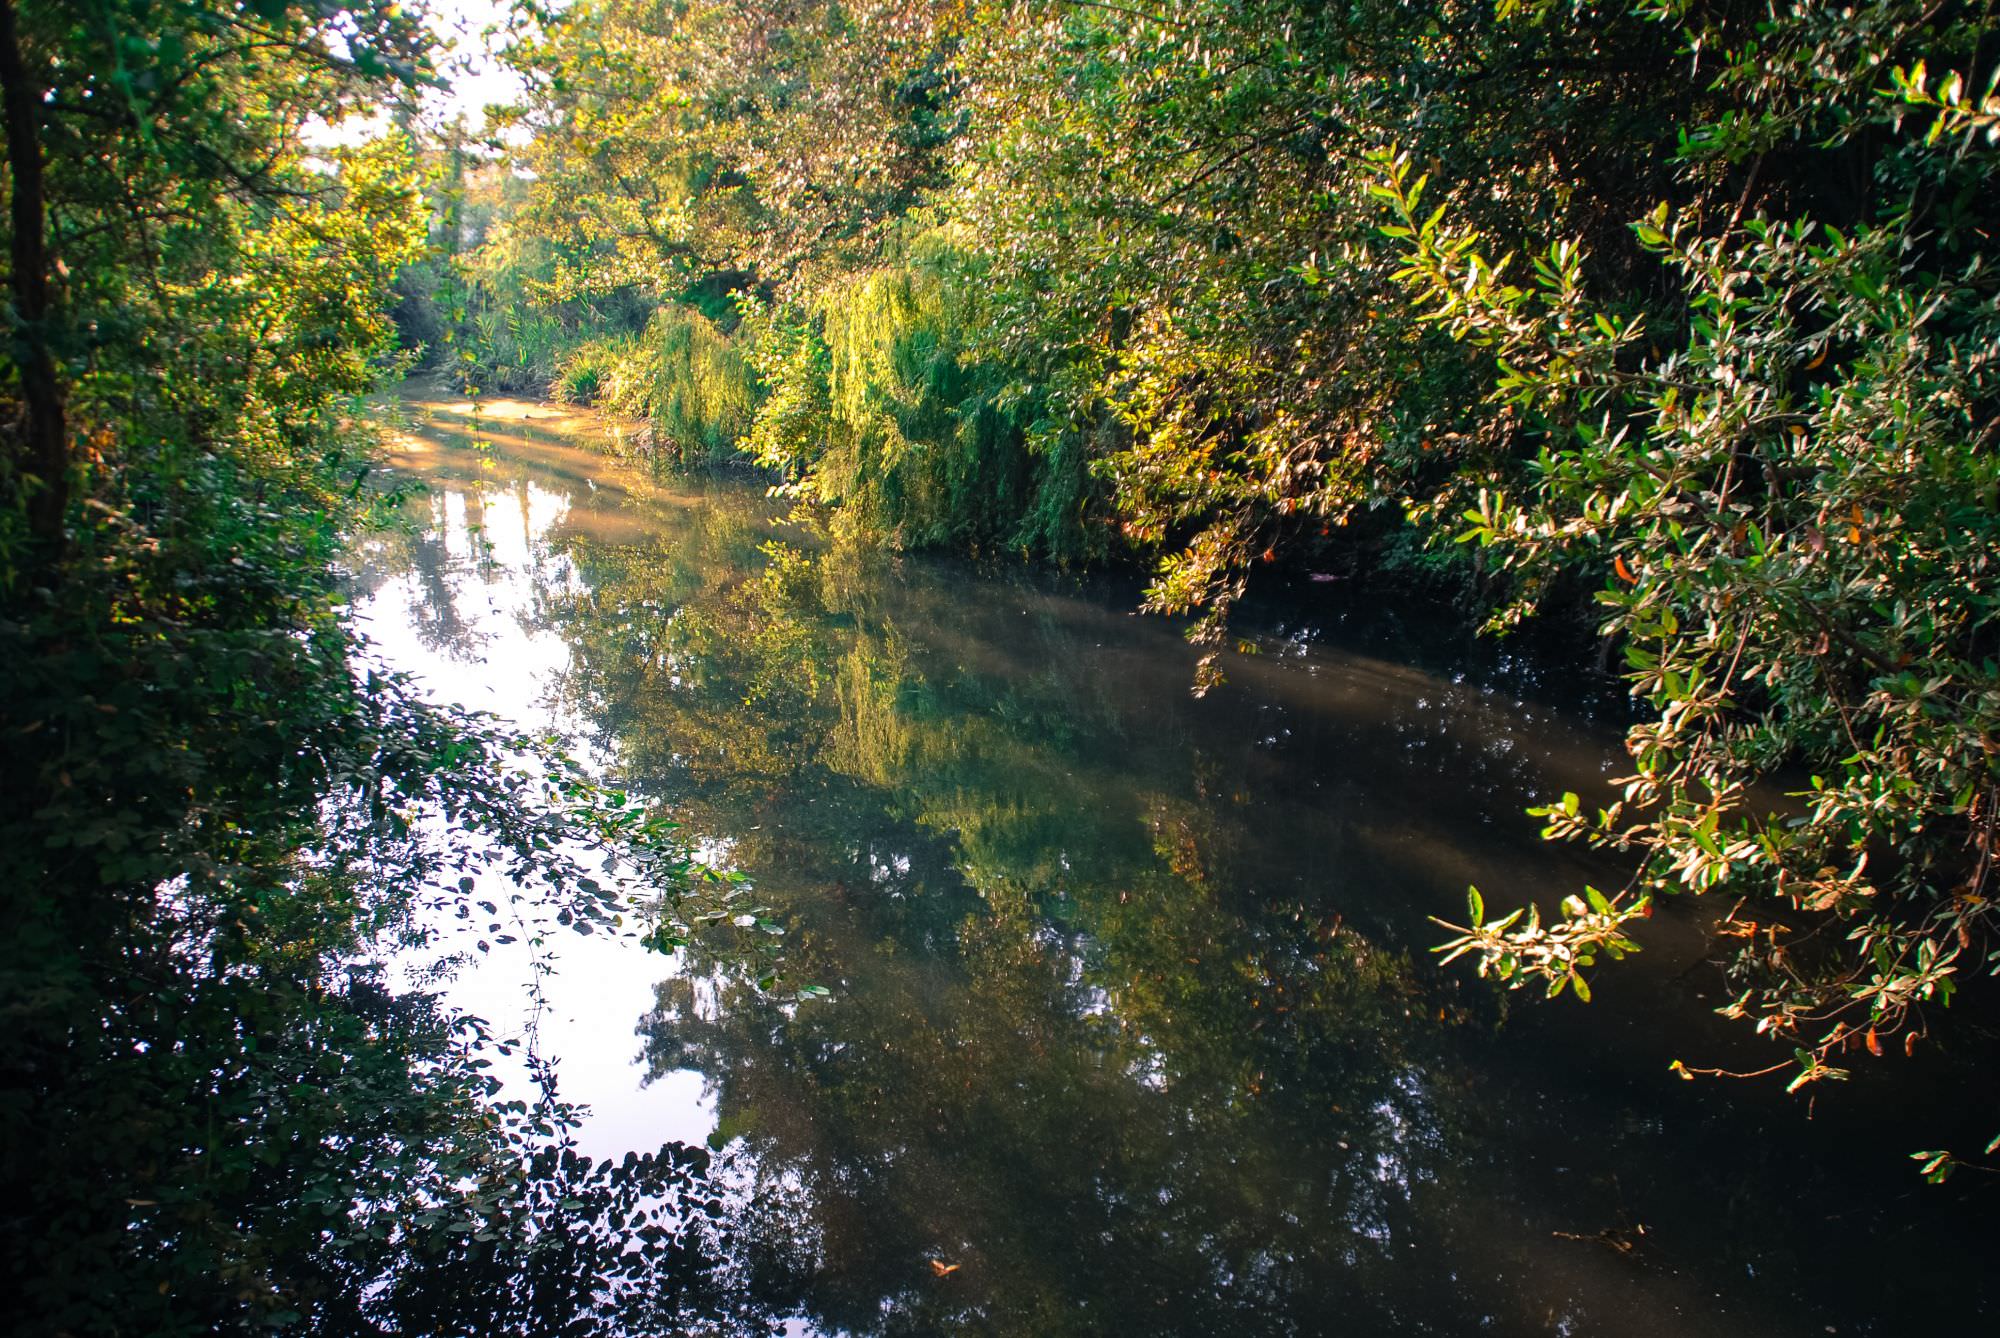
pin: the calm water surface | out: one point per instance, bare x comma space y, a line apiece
1132, 1025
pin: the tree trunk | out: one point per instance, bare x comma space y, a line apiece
45, 451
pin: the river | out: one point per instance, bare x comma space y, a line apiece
1130, 1022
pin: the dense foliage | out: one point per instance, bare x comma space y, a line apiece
223, 1109
1687, 309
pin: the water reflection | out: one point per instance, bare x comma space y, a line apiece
1130, 1029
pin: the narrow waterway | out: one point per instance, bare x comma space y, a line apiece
1131, 1025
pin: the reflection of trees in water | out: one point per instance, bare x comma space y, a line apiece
1069, 1062
421, 552
1123, 1038
528, 1237
1078, 1156
447, 558
434, 613
591, 1248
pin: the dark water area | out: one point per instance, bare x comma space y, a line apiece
1132, 1023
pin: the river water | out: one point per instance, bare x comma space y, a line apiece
1130, 1023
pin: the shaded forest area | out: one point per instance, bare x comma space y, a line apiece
1679, 318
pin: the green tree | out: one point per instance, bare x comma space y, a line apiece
221, 1113
1779, 471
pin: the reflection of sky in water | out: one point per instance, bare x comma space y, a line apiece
600, 983
1126, 1012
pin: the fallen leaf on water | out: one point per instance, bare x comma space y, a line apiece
942, 1269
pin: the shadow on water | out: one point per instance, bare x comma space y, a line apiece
1132, 1024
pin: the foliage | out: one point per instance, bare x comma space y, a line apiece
222, 1111
1779, 470
692, 381
779, 141
584, 372
1176, 198
488, 304
880, 410
1687, 305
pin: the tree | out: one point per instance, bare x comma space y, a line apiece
218, 811
1780, 473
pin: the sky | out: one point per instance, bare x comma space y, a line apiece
475, 80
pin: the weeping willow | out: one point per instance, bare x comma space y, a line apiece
879, 408
703, 391
691, 381
869, 399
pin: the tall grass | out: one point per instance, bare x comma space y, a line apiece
691, 381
